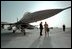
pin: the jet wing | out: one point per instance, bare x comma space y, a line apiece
40, 15
6, 23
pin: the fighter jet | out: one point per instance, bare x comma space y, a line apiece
35, 16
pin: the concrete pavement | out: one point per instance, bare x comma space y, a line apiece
56, 39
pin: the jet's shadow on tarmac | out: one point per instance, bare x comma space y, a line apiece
7, 37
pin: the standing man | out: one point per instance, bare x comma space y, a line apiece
64, 28
46, 28
41, 28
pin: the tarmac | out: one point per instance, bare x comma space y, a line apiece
56, 39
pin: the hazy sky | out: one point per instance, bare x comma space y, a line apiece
11, 10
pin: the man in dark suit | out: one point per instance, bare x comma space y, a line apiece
41, 28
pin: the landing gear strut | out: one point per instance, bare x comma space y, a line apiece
23, 31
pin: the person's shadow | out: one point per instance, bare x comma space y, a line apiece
35, 43
46, 43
